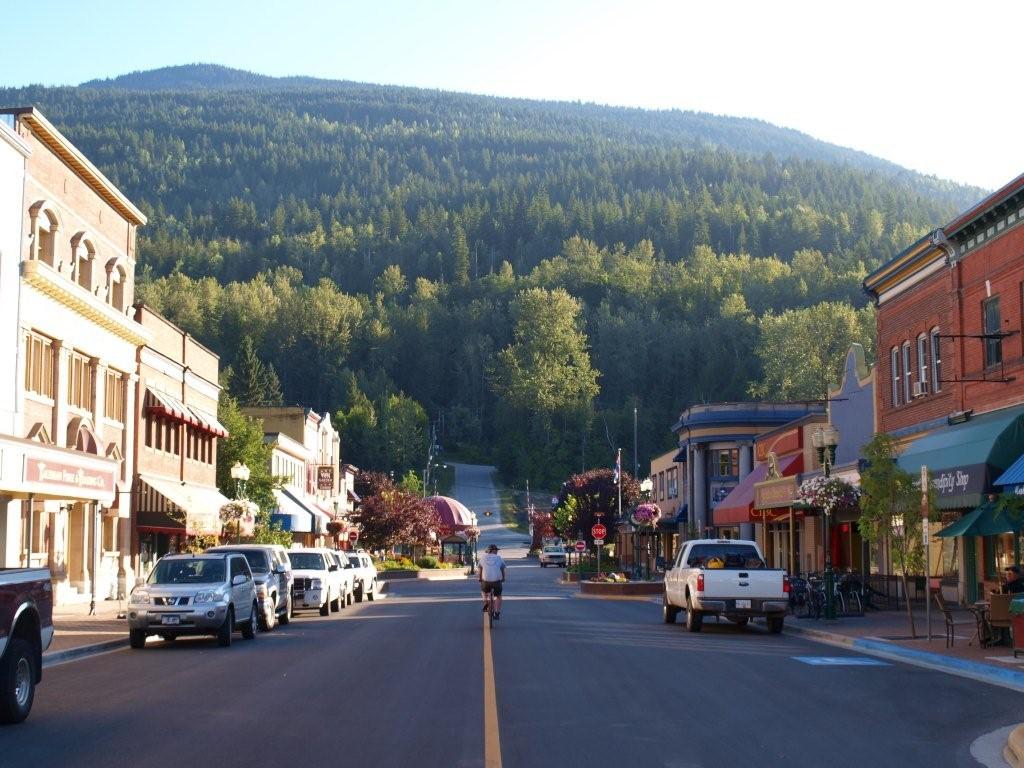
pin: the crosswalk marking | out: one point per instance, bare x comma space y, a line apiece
841, 661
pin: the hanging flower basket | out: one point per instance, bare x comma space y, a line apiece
239, 517
647, 515
831, 494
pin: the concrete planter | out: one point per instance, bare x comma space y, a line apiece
622, 589
431, 574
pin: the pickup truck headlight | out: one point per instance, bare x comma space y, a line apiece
208, 597
315, 584
139, 598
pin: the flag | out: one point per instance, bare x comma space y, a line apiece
618, 466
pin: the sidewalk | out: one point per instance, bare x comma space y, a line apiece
76, 633
887, 633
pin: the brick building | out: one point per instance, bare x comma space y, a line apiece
950, 367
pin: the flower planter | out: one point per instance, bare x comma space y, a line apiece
622, 588
431, 574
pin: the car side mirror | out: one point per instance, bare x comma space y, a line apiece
140, 582
332, 568
279, 568
239, 579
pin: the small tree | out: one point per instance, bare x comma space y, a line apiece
892, 510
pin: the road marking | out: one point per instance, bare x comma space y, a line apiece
841, 661
492, 741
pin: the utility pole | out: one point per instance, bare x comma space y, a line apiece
636, 455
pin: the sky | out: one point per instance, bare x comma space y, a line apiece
933, 86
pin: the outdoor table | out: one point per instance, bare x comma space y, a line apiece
980, 611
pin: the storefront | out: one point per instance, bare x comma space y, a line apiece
306, 523
784, 535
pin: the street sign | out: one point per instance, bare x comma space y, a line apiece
598, 542
581, 545
598, 531
353, 536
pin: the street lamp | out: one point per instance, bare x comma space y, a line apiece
240, 474
825, 439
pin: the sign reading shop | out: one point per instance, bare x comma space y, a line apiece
959, 480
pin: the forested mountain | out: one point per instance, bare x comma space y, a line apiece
388, 250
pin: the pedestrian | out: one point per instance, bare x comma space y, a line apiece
1014, 584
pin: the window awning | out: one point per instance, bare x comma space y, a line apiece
738, 506
353, 496
681, 456
962, 458
986, 520
198, 505
171, 407
209, 422
296, 515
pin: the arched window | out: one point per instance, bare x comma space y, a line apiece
83, 257
117, 280
82, 438
936, 344
908, 372
45, 224
922, 364
894, 364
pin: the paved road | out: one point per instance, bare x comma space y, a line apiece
474, 487
577, 682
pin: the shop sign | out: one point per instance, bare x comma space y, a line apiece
775, 493
69, 475
203, 523
959, 481
1018, 490
325, 477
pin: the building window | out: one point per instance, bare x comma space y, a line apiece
992, 325
673, 484
83, 256
727, 463
922, 364
661, 486
79, 381
39, 365
908, 371
114, 396
149, 431
46, 226
894, 362
936, 360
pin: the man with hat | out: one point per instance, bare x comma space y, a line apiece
491, 577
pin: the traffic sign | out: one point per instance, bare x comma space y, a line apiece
581, 545
598, 542
353, 536
598, 531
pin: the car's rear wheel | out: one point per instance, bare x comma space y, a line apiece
372, 593
694, 618
775, 624
359, 594
336, 603
740, 621
136, 638
325, 609
286, 617
224, 633
18, 675
249, 628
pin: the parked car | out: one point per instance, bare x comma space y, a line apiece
317, 580
553, 554
346, 578
365, 575
208, 594
272, 572
724, 577
26, 630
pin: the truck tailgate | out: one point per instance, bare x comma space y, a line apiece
758, 583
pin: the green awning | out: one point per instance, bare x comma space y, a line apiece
963, 458
986, 520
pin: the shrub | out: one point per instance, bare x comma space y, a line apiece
427, 561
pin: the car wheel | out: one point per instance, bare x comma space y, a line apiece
336, 603
543, 565
351, 597
325, 609
694, 618
741, 621
136, 638
359, 594
668, 612
267, 621
372, 593
249, 628
775, 624
224, 633
168, 638
286, 617
18, 675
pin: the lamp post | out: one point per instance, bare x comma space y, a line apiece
240, 474
825, 439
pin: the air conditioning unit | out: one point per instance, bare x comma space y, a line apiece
920, 388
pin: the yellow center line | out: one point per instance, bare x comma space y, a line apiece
492, 741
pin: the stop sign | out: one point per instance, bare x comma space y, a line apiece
353, 536
581, 545
598, 531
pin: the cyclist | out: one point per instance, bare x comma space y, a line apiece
492, 576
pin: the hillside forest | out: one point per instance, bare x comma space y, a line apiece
514, 276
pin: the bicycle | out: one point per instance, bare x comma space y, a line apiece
490, 609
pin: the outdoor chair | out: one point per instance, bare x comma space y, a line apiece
952, 621
999, 614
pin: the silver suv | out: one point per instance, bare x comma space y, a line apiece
210, 594
272, 572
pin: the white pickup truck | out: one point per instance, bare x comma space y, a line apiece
724, 577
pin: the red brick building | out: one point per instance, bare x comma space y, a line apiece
951, 369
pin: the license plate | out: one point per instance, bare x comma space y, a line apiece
742, 603
170, 620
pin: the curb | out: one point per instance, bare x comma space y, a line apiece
1013, 752
985, 673
83, 651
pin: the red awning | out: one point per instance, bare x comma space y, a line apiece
738, 506
165, 405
